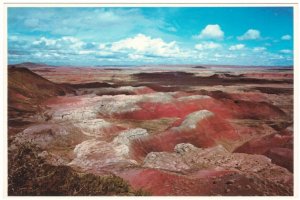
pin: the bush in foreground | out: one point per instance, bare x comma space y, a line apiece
30, 175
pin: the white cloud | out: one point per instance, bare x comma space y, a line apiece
102, 46
85, 52
287, 51
147, 45
139, 47
135, 56
286, 37
61, 43
236, 47
44, 41
73, 42
251, 34
217, 55
211, 31
207, 45
259, 49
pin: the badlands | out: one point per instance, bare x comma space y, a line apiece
159, 130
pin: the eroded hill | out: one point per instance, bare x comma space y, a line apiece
198, 132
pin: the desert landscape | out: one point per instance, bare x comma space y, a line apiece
159, 130
150, 99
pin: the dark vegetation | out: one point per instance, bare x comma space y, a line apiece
30, 175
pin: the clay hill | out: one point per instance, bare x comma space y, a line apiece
26, 91
177, 130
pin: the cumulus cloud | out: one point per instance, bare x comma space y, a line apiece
61, 43
147, 45
286, 51
259, 49
251, 34
138, 49
207, 45
286, 37
236, 47
211, 31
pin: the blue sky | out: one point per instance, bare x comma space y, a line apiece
138, 36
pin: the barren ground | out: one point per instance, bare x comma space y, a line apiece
209, 130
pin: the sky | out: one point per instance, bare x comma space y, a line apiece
259, 36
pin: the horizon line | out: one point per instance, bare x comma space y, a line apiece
145, 65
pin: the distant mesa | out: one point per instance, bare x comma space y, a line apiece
199, 67
113, 69
288, 68
29, 65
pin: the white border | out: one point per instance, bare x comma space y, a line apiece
137, 3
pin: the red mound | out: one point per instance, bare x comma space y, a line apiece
282, 157
163, 183
26, 90
277, 147
143, 90
262, 145
226, 108
199, 183
207, 132
58, 101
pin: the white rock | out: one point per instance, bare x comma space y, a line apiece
42, 134
157, 97
125, 136
93, 127
121, 142
193, 97
190, 122
184, 147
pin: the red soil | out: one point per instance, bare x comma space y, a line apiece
63, 101
262, 145
150, 110
225, 108
282, 157
275, 146
163, 183
207, 133
199, 183
145, 90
